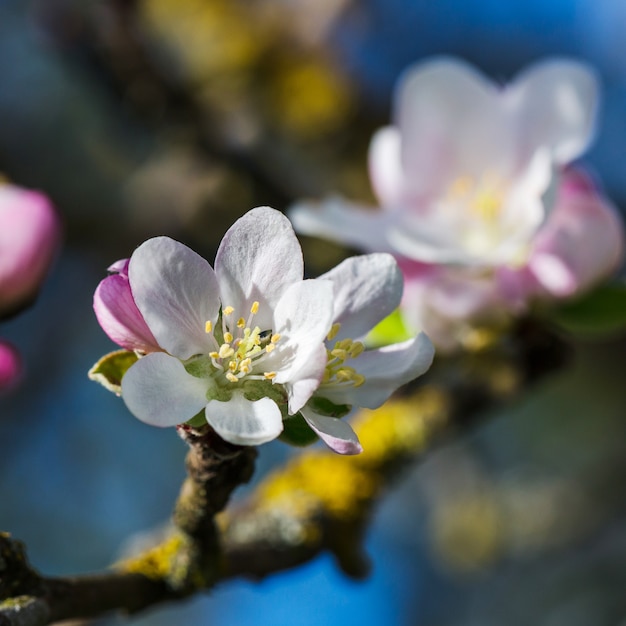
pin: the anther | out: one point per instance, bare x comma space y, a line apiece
275, 338
230, 376
208, 327
228, 338
241, 322
269, 375
225, 351
227, 310
356, 349
254, 309
334, 329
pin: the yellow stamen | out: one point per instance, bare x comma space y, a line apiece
232, 366
208, 327
269, 375
333, 331
254, 309
225, 351
275, 338
241, 322
232, 377
228, 338
356, 349
227, 310
214, 355
269, 348
339, 353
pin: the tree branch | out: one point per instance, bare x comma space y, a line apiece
318, 502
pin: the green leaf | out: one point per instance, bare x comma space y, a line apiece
110, 369
297, 432
389, 330
600, 311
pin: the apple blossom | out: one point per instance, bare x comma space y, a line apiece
242, 346
30, 235
478, 206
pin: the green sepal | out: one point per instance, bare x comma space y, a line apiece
390, 330
197, 420
601, 311
297, 432
323, 406
110, 369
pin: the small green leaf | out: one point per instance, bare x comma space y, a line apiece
110, 369
600, 311
390, 330
297, 432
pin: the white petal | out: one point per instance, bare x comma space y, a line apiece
452, 123
385, 370
244, 422
259, 257
158, 391
335, 433
341, 221
303, 318
306, 380
555, 104
366, 290
385, 165
176, 291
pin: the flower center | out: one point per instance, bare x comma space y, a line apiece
484, 199
337, 372
240, 347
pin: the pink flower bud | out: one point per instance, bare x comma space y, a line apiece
30, 234
10, 366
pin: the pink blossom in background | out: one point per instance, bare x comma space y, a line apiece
480, 206
10, 366
30, 236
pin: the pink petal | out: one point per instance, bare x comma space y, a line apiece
119, 316
335, 433
582, 242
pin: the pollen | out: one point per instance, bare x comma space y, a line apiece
231, 377
275, 338
208, 326
254, 309
269, 375
227, 310
228, 338
241, 323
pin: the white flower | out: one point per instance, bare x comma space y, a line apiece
479, 205
467, 173
239, 342
366, 290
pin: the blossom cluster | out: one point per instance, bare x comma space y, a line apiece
250, 344
480, 204
30, 234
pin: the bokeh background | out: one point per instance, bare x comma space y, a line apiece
174, 117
